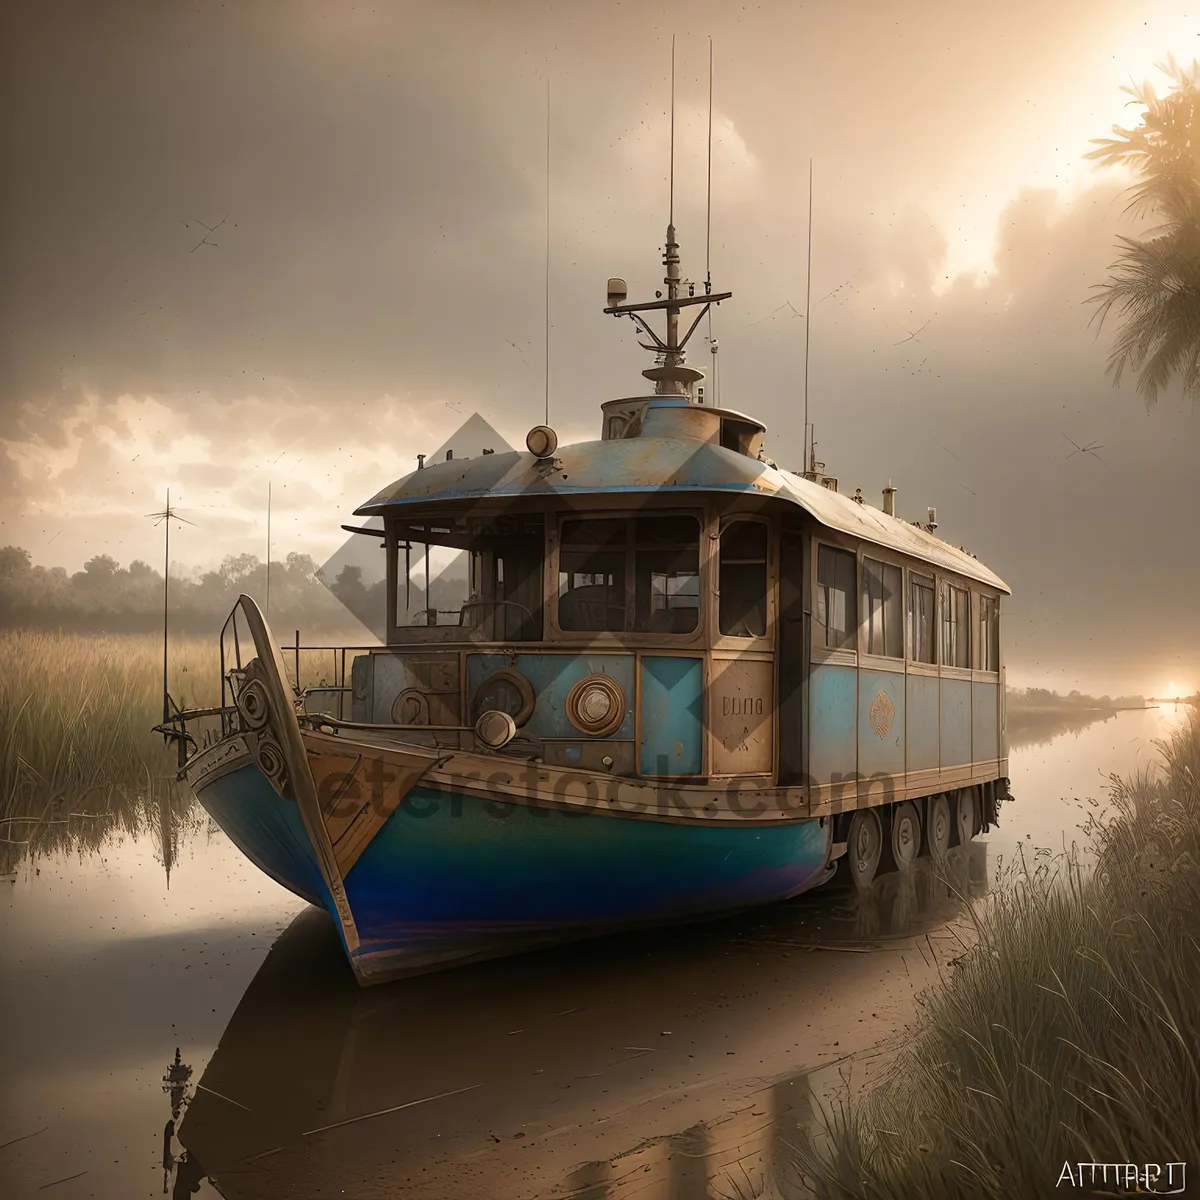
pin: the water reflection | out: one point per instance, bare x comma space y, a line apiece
35, 827
498, 1079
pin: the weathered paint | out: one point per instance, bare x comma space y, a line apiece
833, 698
985, 722
552, 676
922, 712
267, 830
671, 717
361, 673
451, 876
880, 723
665, 465
956, 722
742, 716
432, 672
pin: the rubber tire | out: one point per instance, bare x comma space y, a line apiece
864, 847
939, 825
966, 815
904, 835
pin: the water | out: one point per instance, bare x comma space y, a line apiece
677, 1064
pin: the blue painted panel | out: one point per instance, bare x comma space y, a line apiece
833, 702
267, 830
552, 676
671, 716
448, 868
880, 723
956, 722
448, 871
923, 720
985, 738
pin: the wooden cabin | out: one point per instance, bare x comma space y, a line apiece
731, 624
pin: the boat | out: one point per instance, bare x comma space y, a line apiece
684, 681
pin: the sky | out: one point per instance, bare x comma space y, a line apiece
377, 177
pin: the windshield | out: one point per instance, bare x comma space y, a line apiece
630, 574
483, 575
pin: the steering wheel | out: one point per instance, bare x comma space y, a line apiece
526, 614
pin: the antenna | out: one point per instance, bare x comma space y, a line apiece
712, 345
268, 548
671, 377
547, 250
671, 191
165, 518
808, 307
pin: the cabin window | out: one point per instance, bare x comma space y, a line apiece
920, 616
652, 559
479, 574
989, 633
956, 626
836, 617
591, 574
666, 561
883, 593
742, 586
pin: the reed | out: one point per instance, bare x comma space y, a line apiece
1070, 1032
78, 759
77, 756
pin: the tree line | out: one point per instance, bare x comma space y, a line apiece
106, 597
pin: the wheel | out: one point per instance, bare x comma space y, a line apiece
905, 835
937, 827
864, 845
965, 814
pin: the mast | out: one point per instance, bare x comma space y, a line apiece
712, 342
671, 377
811, 465
166, 599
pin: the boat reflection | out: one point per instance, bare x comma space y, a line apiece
498, 1079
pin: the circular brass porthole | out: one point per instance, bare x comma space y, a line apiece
505, 691
596, 705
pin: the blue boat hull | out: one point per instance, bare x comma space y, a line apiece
452, 877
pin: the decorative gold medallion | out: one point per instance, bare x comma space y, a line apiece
883, 712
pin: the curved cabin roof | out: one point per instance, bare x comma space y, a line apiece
662, 465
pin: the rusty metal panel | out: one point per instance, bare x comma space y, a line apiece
922, 720
956, 722
833, 701
880, 723
552, 676
362, 681
430, 678
985, 722
741, 716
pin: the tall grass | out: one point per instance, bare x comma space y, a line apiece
1069, 1033
77, 756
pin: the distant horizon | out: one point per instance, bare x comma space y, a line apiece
1018, 677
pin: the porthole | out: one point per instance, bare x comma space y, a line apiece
505, 691
596, 705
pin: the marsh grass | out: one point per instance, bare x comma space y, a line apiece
78, 760
1069, 1032
77, 756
